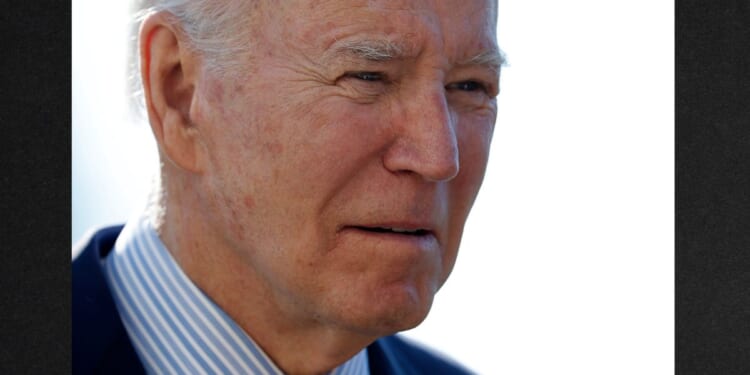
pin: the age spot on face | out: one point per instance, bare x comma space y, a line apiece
249, 202
274, 148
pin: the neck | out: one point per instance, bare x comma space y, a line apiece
298, 343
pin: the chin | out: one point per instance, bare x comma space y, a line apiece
389, 311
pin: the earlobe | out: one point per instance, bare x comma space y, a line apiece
168, 74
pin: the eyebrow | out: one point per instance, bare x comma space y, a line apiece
372, 50
493, 59
386, 50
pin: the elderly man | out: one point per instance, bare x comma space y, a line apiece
318, 163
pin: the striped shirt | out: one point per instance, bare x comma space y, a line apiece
174, 327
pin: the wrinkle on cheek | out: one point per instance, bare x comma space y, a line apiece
235, 223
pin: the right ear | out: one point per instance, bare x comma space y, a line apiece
169, 74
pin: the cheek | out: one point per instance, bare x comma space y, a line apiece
474, 136
474, 143
329, 144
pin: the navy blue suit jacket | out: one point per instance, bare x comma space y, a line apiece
101, 344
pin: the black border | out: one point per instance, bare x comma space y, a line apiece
35, 187
713, 188
712, 191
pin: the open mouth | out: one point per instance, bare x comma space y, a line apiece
402, 231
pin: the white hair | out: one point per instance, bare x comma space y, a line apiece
218, 30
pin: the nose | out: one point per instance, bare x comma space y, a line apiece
426, 141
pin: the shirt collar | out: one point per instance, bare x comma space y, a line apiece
174, 327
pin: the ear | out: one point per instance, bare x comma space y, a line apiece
168, 72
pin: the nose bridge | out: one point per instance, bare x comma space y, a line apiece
429, 134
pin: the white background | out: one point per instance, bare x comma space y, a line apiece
566, 266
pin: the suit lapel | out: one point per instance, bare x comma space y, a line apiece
100, 342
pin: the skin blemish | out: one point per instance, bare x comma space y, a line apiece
249, 202
274, 148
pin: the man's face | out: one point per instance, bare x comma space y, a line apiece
344, 160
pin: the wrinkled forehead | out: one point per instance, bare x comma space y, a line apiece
455, 28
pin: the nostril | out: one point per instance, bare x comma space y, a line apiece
434, 157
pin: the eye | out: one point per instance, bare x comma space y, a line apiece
469, 86
367, 76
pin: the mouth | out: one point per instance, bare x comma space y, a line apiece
395, 230
408, 240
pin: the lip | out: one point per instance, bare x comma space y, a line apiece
410, 234
422, 228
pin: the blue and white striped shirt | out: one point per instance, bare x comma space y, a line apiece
174, 327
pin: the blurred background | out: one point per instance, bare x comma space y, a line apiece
566, 266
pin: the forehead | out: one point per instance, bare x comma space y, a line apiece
455, 29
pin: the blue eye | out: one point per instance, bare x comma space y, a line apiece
367, 76
467, 86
